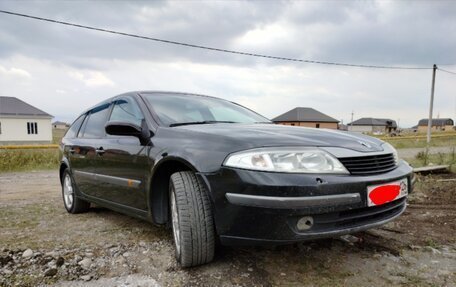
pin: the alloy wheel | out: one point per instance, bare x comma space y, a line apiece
68, 192
175, 221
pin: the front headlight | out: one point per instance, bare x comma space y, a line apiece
389, 148
297, 160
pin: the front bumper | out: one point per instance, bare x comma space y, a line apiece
252, 207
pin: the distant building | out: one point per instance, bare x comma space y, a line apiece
306, 117
22, 123
60, 125
343, 127
445, 124
373, 125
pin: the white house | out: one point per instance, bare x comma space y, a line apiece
21, 123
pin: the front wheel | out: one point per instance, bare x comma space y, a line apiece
192, 221
70, 201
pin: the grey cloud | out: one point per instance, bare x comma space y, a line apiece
417, 33
332, 12
192, 22
401, 33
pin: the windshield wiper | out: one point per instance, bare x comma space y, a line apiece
200, 123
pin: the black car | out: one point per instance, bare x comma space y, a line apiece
214, 170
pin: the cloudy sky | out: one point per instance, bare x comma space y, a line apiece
64, 70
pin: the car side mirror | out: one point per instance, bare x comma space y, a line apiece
117, 128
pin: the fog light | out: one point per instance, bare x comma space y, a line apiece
305, 223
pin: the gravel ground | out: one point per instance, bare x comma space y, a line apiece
40, 244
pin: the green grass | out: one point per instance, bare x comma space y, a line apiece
28, 159
399, 143
431, 243
31, 159
57, 135
424, 159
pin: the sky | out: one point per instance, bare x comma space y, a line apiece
65, 70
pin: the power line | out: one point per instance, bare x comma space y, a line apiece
446, 71
446, 64
211, 48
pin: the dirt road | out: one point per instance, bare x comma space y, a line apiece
41, 244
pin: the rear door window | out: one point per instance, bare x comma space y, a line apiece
96, 120
74, 129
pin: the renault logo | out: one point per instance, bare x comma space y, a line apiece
365, 144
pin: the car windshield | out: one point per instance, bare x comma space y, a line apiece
181, 109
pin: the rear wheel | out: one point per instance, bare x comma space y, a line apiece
192, 221
70, 201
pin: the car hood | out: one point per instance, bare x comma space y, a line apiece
269, 135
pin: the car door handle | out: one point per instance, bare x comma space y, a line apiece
100, 151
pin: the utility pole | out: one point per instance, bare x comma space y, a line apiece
351, 124
431, 105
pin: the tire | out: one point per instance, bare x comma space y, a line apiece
192, 221
72, 203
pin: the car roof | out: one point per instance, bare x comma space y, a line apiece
176, 93
136, 93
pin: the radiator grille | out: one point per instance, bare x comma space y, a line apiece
367, 165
